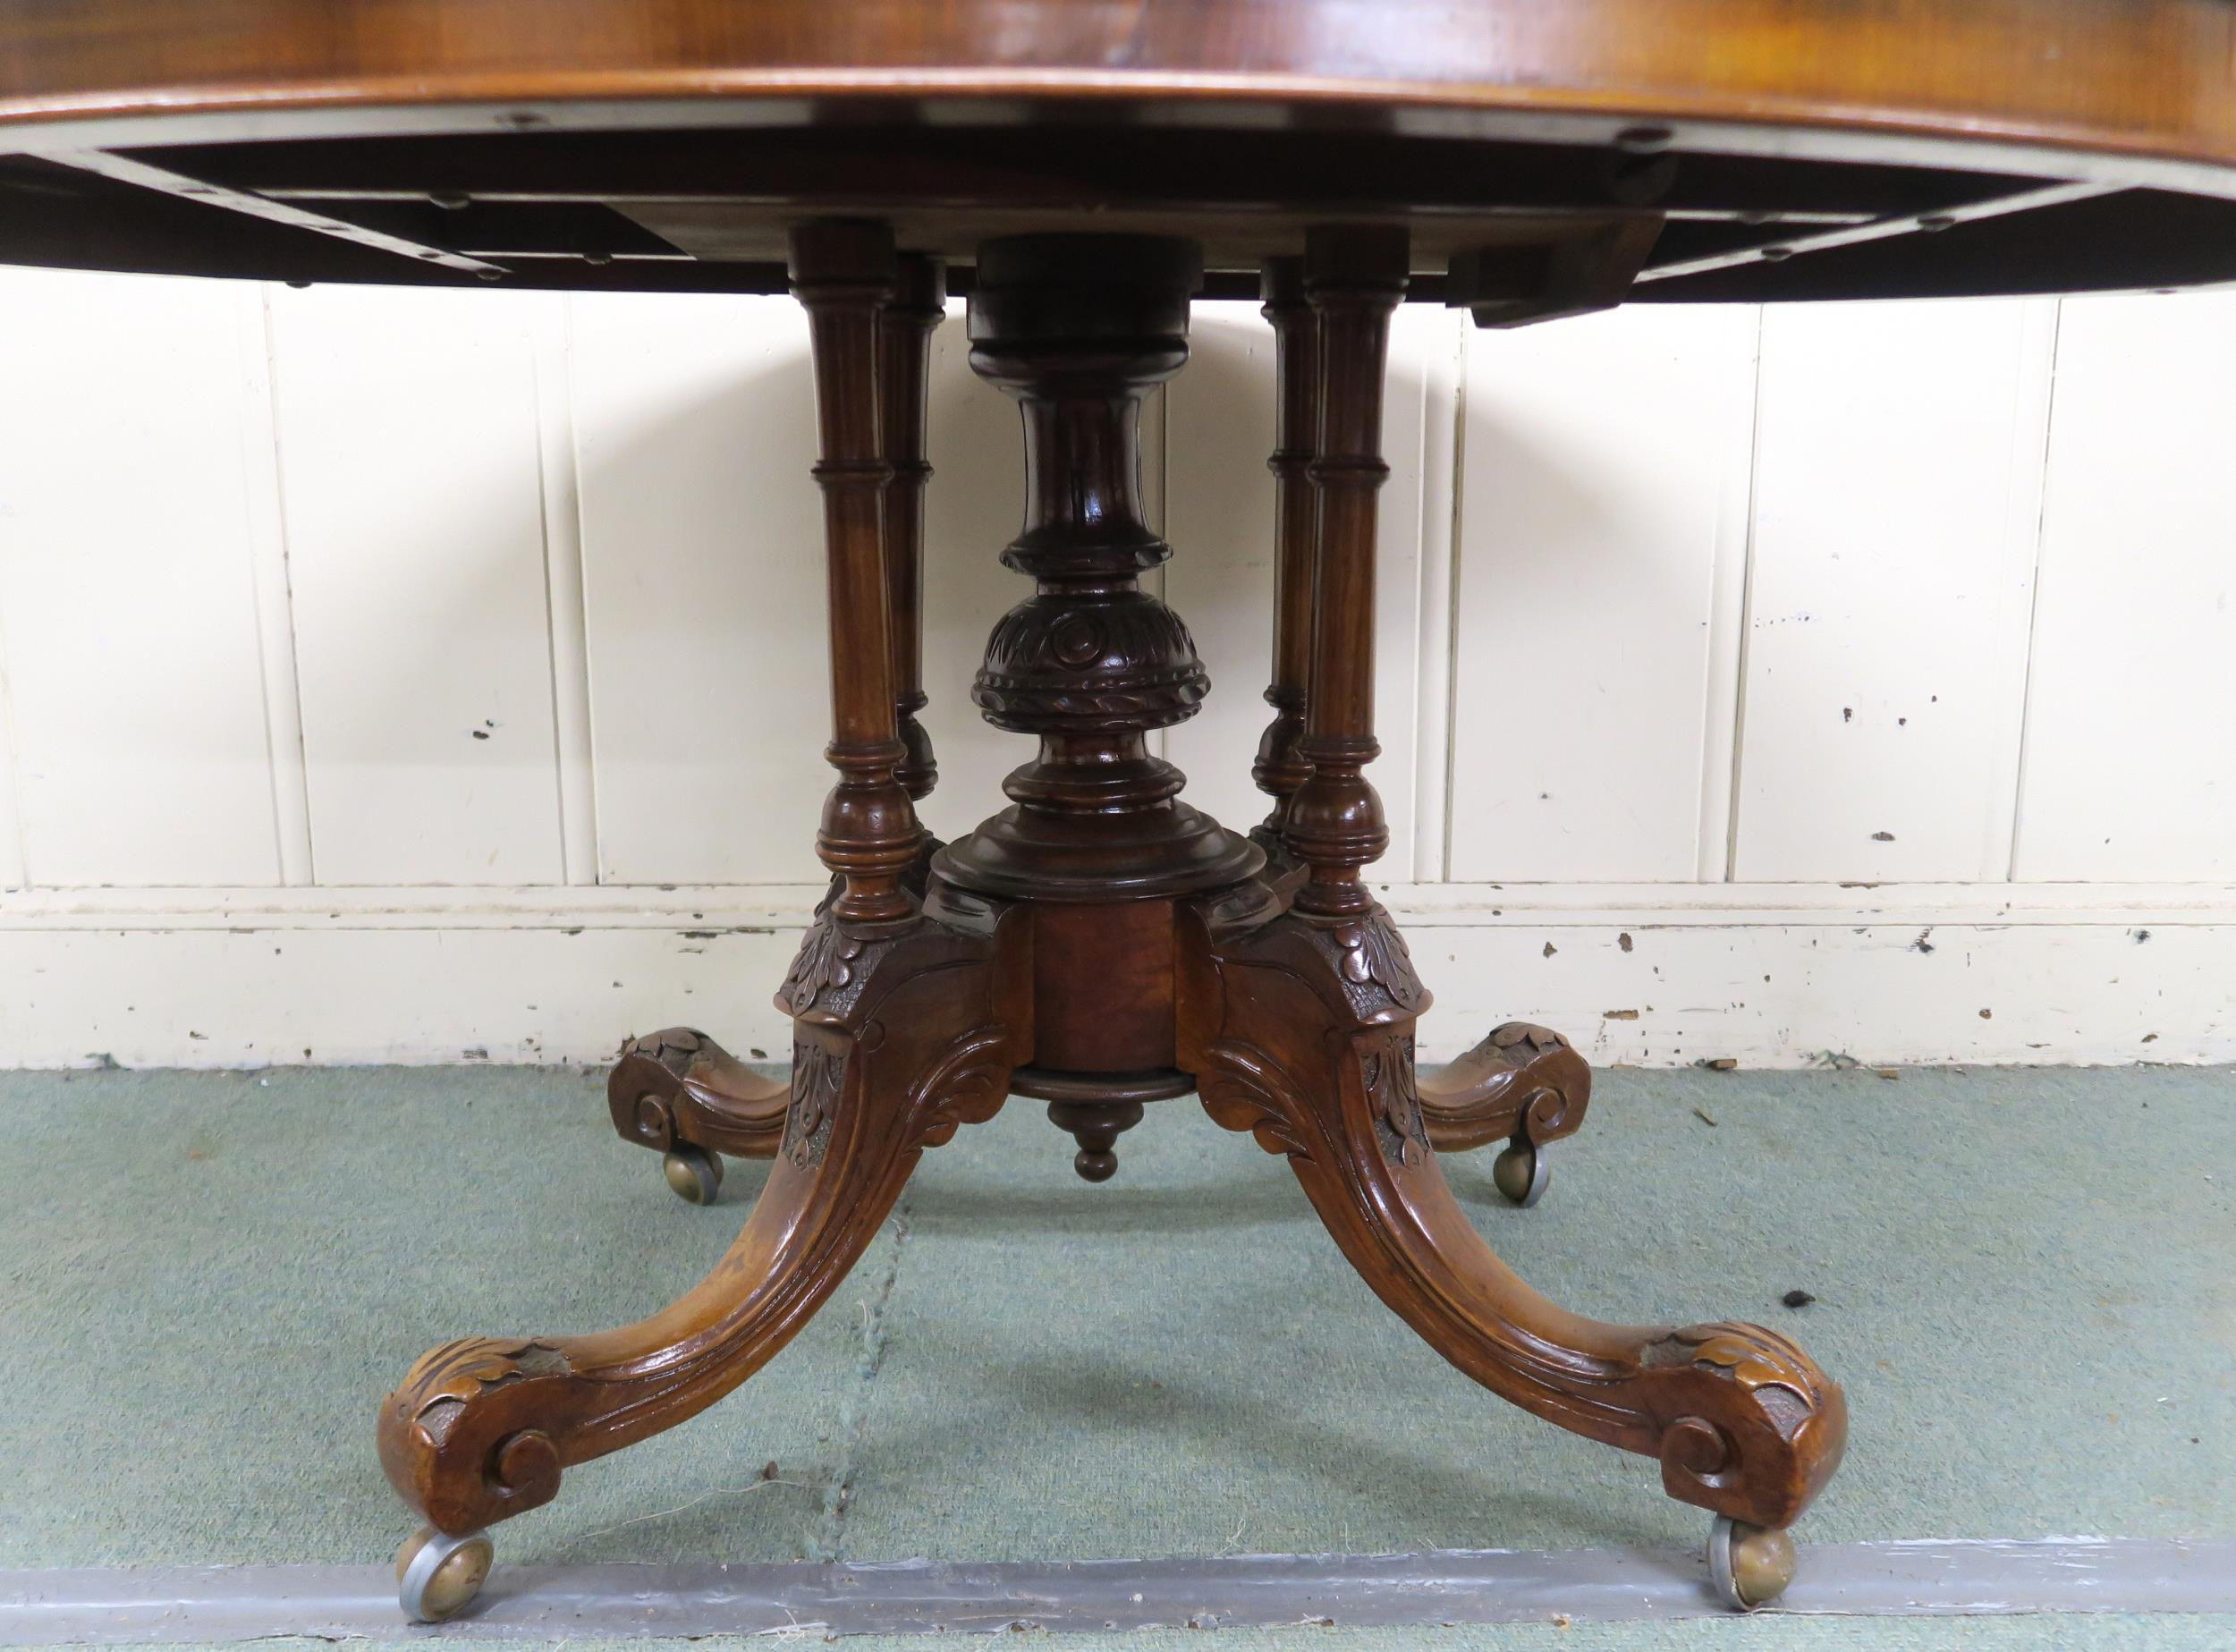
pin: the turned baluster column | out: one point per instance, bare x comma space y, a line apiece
1354, 278
1280, 768
904, 345
1079, 329
844, 274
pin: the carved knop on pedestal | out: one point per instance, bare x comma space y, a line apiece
1090, 662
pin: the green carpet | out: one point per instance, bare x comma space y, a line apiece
2026, 1279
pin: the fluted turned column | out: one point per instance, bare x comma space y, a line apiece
1280, 768
844, 274
904, 345
1354, 278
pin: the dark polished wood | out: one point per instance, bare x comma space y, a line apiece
845, 275
1353, 278
901, 1037
2139, 81
1545, 158
1301, 1030
679, 1087
1522, 1084
1079, 329
905, 344
1083, 170
1281, 768
1100, 945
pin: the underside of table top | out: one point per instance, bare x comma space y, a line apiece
1548, 156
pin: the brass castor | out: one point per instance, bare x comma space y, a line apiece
1522, 1172
694, 1173
1751, 1564
438, 1574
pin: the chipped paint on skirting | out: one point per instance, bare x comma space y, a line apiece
1772, 975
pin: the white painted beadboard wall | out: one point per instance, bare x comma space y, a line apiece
411, 675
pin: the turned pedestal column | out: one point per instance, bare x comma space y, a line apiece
1079, 329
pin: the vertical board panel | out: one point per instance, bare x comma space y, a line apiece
1897, 493
2130, 755
553, 329
1423, 340
1220, 413
1220, 499
1595, 481
703, 539
414, 520
702, 534
126, 591
275, 607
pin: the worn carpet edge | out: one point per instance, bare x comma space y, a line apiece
1917, 1578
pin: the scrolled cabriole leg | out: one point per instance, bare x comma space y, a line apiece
906, 1025
1301, 1030
901, 1036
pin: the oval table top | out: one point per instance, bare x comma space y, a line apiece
1549, 155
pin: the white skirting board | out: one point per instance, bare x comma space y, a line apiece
1769, 975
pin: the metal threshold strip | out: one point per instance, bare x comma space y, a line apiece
152, 1604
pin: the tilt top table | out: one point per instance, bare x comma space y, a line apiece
1082, 170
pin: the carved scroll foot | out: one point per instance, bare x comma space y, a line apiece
1522, 1083
901, 1035
679, 1093
1302, 1031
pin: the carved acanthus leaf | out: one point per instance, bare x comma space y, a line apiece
1518, 1041
1244, 1090
827, 961
435, 1389
967, 1085
1387, 1072
831, 969
818, 1074
1757, 1359
1376, 964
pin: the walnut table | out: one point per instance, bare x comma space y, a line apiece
1082, 170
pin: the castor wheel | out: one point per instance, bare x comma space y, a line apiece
1523, 1172
1751, 1564
438, 1574
694, 1173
